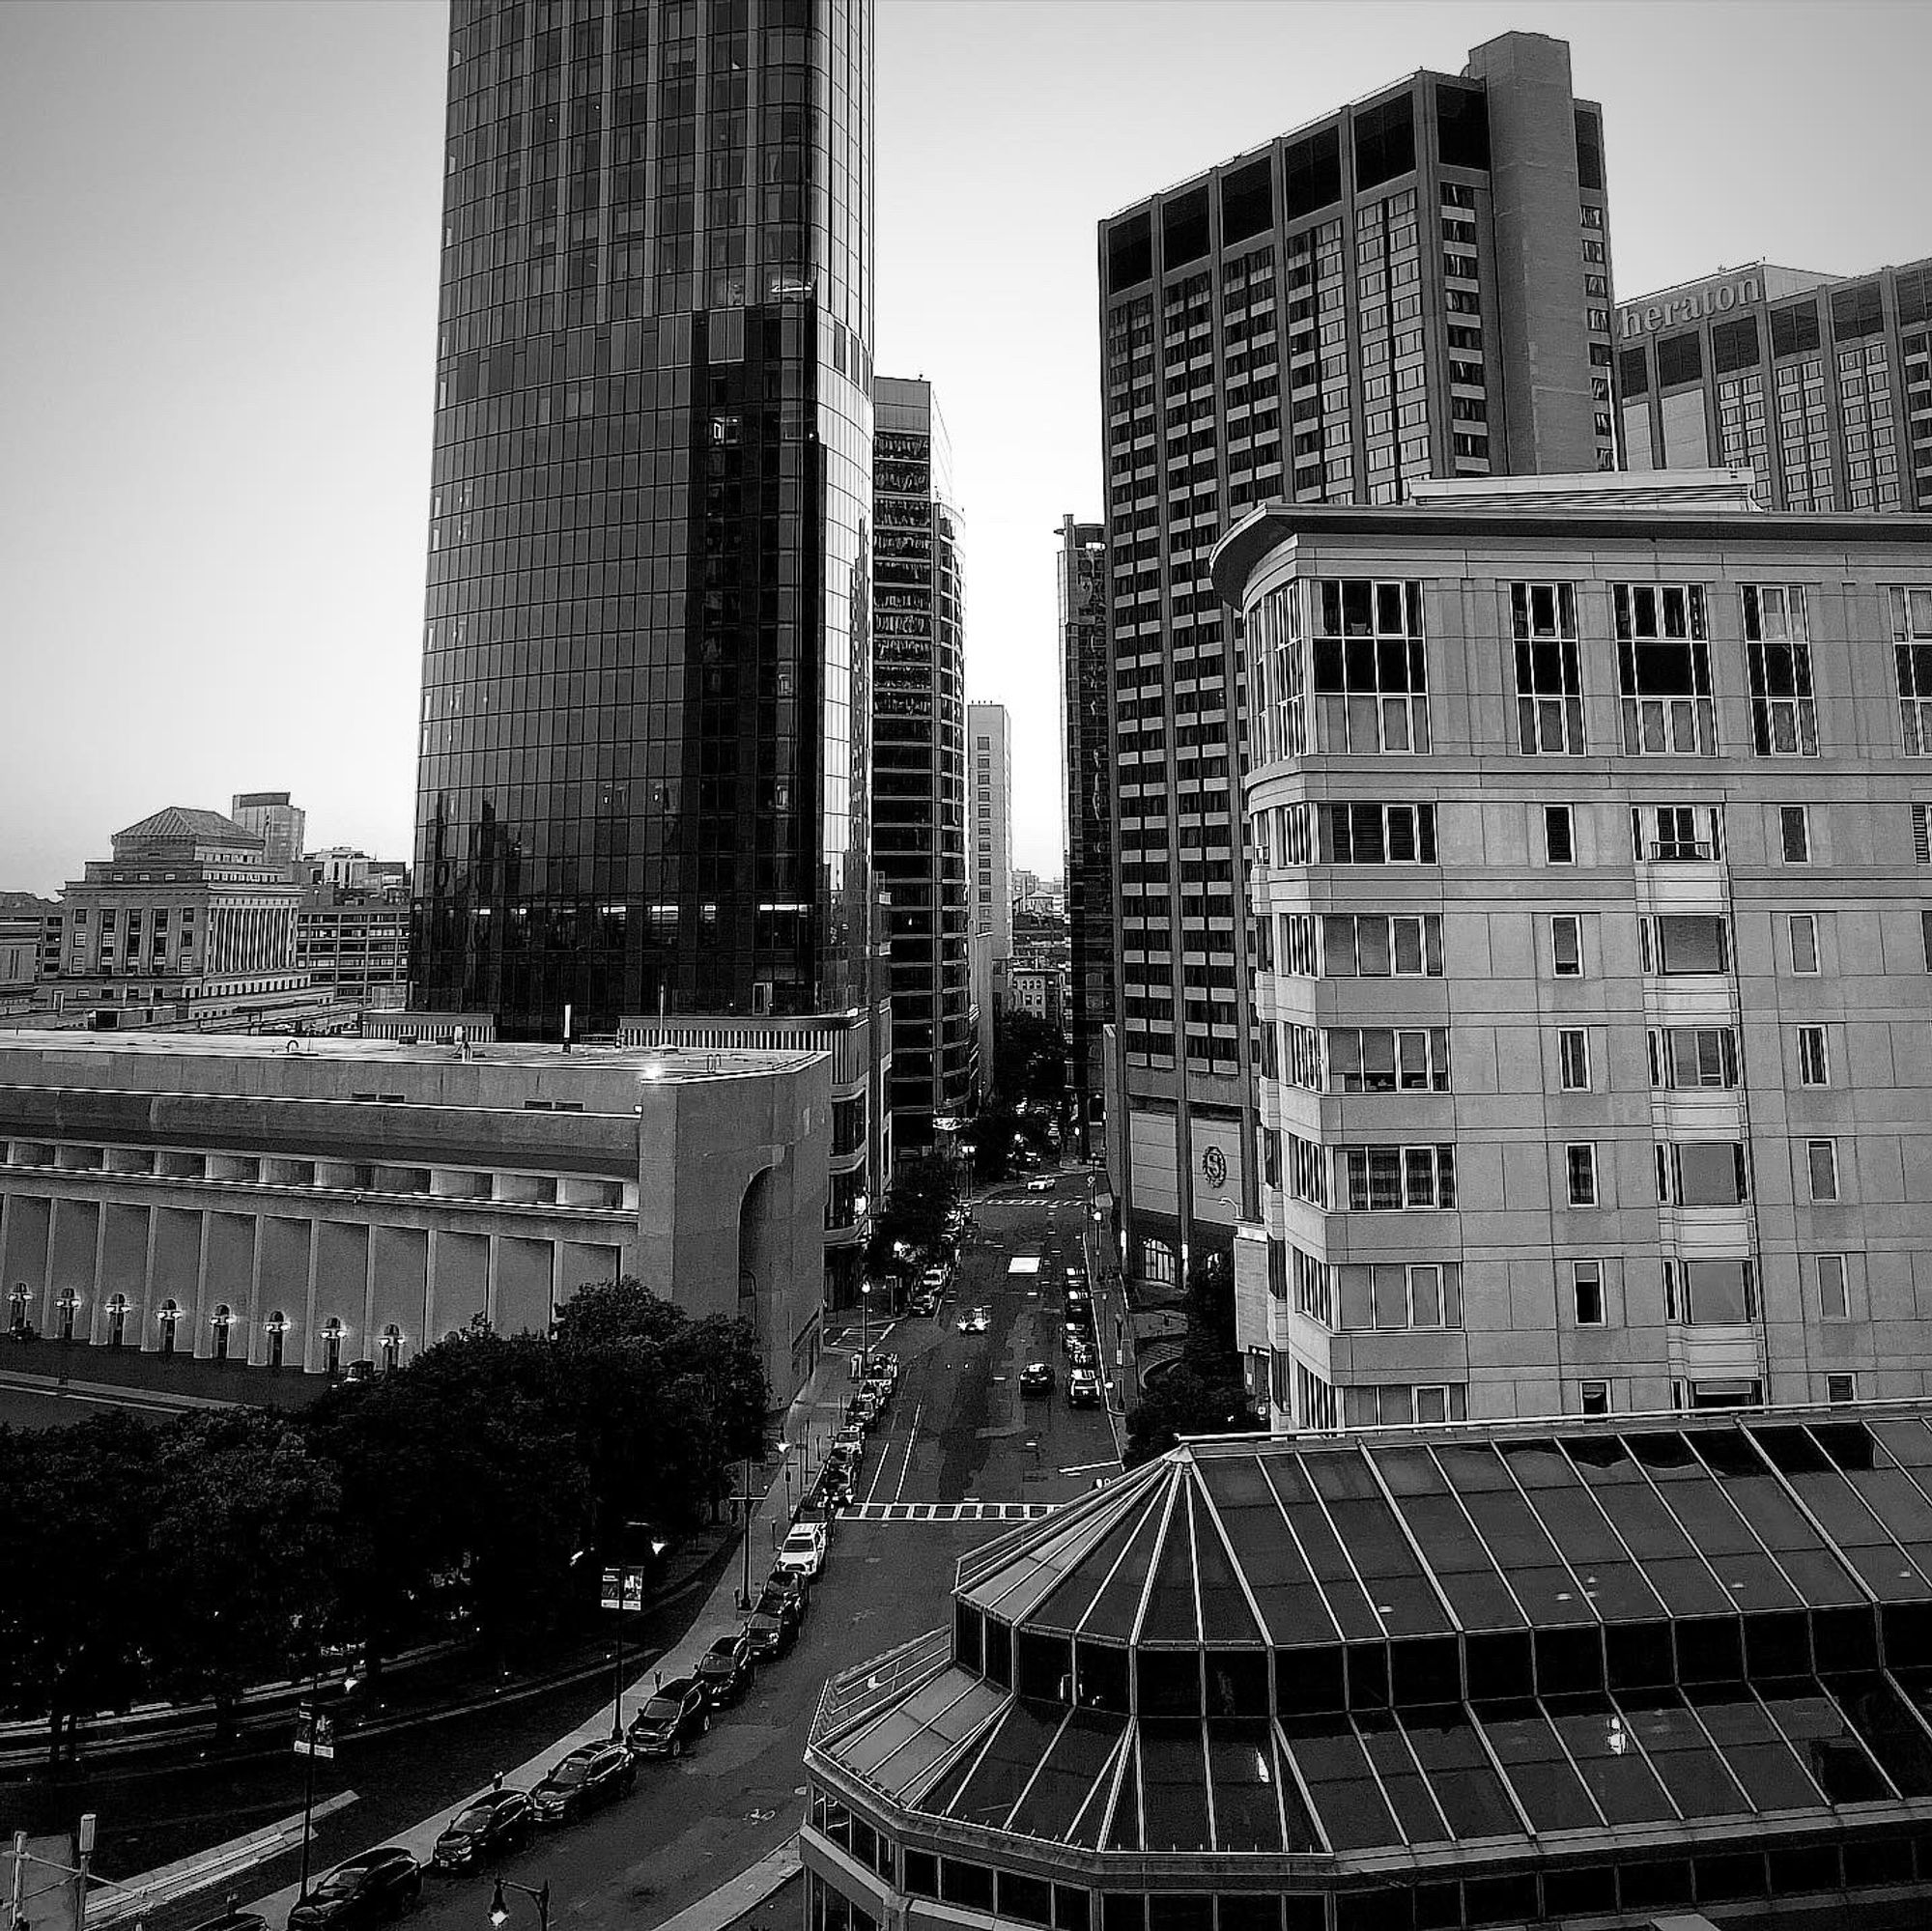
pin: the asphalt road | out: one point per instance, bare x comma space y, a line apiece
957, 1438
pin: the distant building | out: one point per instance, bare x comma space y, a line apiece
276, 822
1591, 1012
354, 942
313, 1205
990, 749
23, 921
1821, 385
188, 924
919, 760
1039, 987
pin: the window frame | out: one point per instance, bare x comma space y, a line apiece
1794, 818
1840, 1294
1577, 1303
1564, 815
1814, 1056
1794, 922
1573, 1054
1583, 1170
1829, 1148
1602, 1398
1574, 921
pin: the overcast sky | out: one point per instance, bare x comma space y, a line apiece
217, 295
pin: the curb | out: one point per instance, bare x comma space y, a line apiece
739, 1895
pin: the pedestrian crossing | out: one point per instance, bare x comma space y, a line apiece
947, 1511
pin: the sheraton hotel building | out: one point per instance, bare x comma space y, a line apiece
1670, 1671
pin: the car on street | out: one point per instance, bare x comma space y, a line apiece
486, 1827
1041, 1185
1083, 1389
790, 1582
678, 1714
726, 1668
802, 1550
924, 1302
934, 1279
1081, 1355
773, 1626
591, 1776
1036, 1378
974, 1321
362, 1890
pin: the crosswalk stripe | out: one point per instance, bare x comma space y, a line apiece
948, 1512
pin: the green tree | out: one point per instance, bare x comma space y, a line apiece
914, 1211
619, 1310
1029, 1060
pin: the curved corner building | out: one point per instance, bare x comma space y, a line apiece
1586, 1673
642, 775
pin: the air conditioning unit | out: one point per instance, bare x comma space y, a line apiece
761, 998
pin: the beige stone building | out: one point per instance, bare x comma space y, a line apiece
309, 1205
1588, 873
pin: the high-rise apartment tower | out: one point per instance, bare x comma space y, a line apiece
919, 760
1087, 757
643, 763
991, 748
1419, 285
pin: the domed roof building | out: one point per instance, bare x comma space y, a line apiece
1583, 1670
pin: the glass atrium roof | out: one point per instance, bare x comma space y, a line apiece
1414, 1638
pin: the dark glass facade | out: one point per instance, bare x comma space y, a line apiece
919, 760
1086, 676
643, 763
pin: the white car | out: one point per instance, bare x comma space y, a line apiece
976, 1321
1039, 1186
802, 1552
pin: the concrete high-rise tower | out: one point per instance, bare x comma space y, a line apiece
1417, 285
644, 761
991, 748
919, 760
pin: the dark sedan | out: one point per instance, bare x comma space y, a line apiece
362, 1890
773, 1626
677, 1714
591, 1776
1036, 1378
497, 1820
726, 1668
798, 1587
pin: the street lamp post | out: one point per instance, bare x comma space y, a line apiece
864, 1325
500, 1910
312, 1739
745, 1587
623, 1599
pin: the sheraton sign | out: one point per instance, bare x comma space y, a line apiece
1716, 298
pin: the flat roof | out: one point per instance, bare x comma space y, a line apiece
649, 1061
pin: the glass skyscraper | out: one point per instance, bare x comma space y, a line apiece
643, 759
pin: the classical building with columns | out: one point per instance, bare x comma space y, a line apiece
189, 921
310, 1205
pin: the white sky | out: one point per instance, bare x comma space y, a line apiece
218, 234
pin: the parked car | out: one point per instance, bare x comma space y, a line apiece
726, 1668
591, 1776
974, 1321
1036, 1378
802, 1550
1083, 1389
790, 1582
924, 1302
362, 1890
1081, 1355
487, 1826
678, 1714
773, 1626
1041, 1185
933, 1279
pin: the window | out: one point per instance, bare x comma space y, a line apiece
1386, 1179
1821, 1157
1794, 834
1587, 1292
1594, 1398
1813, 1063
1380, 944
1573, 1053
1694, 1055
1925, 937
1370, 833
1922, 834
1709, 1292
1677, 834
1911, 654
1370, 666
1397, 1404
1664, 669
1801, 929
1393, 1295
1834, 1298
1701, 1173
1388, 1060
1559, 835
1841, 1388
1579, 1164
1687, 945
1778, 650
1548, 680
1566, 945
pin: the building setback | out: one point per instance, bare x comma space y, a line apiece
1594, 973
1580, 1673
992, 747
1416, 286
642, 779
1821, 385
309, 1205
1086, 759
919, 760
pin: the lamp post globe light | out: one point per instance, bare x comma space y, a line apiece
499, 1908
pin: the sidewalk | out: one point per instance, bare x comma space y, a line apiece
812, 1422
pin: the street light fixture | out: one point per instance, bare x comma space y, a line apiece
864, 1325
500, 1910
658, 1548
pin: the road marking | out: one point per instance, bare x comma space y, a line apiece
911, 1441
1089, 1467
949, 1512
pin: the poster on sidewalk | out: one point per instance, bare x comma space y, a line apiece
314, 1735
624, 1588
